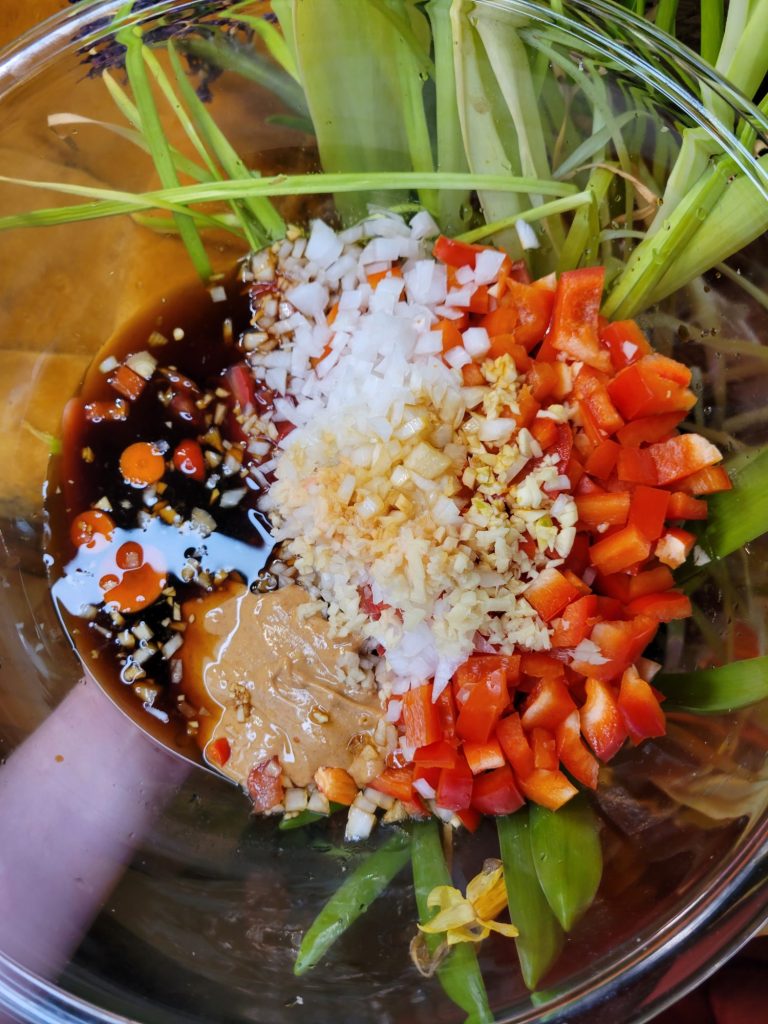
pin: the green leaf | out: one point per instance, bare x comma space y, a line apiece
711, 690
459, 973
740, 515
567, 856
351, 900
305, 818
541, 937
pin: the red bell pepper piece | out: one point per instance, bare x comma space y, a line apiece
548, 788
601, 721
666, 606
496, 792
549, 593
574, 625
420, 717
533, 304
437, 755
639, 708
590, 389
127, 383
541, 665
674, 546
609, 508
602, 461
480, 302
454, 789
620, 550
652, 581
709, 480
264, 784
476, 668
482, 757
573, 755
547, 705
446, 710
515, 745
395, 782
648, 510
625, 341
578, 560
544, 751
637, 466
575, 325
642, 389
541, 379
683, 506
483, 707
648, 429
544, 430
621, 643
218, 751
507, 345
450, 333
469, 818
682, 455
454, 253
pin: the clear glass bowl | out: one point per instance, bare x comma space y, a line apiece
138, 888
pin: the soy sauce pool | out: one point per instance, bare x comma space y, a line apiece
195, 530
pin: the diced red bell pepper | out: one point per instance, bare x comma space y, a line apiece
648, 429
602, 461
544, 430
578, 559
548, 789
480, 302
642, 390
648, 510
454, 790
564, 445
621, 643
547, 705
652, 581
446, 709
615, 585
533, 305
574, 327
475, 669
709, 480
625, 341
507, 345
601, 721
454, 253
450, 333
218, 751
549, 593
620, 550
682, 455
420, 717
482, 757
540, 665
674, 546
515, 745
483, 707
544, 751
573, 755
496, 792
469, 818
127, 382
639, 708
395, 782
440, 754
574, 625
668, 369
528, 408
590, 388
593, 436
609, 508
683, 506
637, 466
541, 379
665, 606
431, 775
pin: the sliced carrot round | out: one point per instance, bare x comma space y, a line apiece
91, 529
142, 464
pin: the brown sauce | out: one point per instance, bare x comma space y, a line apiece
201, 345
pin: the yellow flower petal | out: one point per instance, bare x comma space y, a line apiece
504, 929
444, 896
452, 917
470, 918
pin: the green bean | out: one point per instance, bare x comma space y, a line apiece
459, 974
306, 818
541, 936
351, 900
567, 857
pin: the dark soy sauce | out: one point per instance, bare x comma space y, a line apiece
196, 342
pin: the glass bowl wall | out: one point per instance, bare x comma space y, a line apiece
204, 920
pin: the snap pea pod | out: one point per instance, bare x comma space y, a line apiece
351, 900
541, 936
459, 974
567, 857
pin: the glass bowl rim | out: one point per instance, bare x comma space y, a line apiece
744, 883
